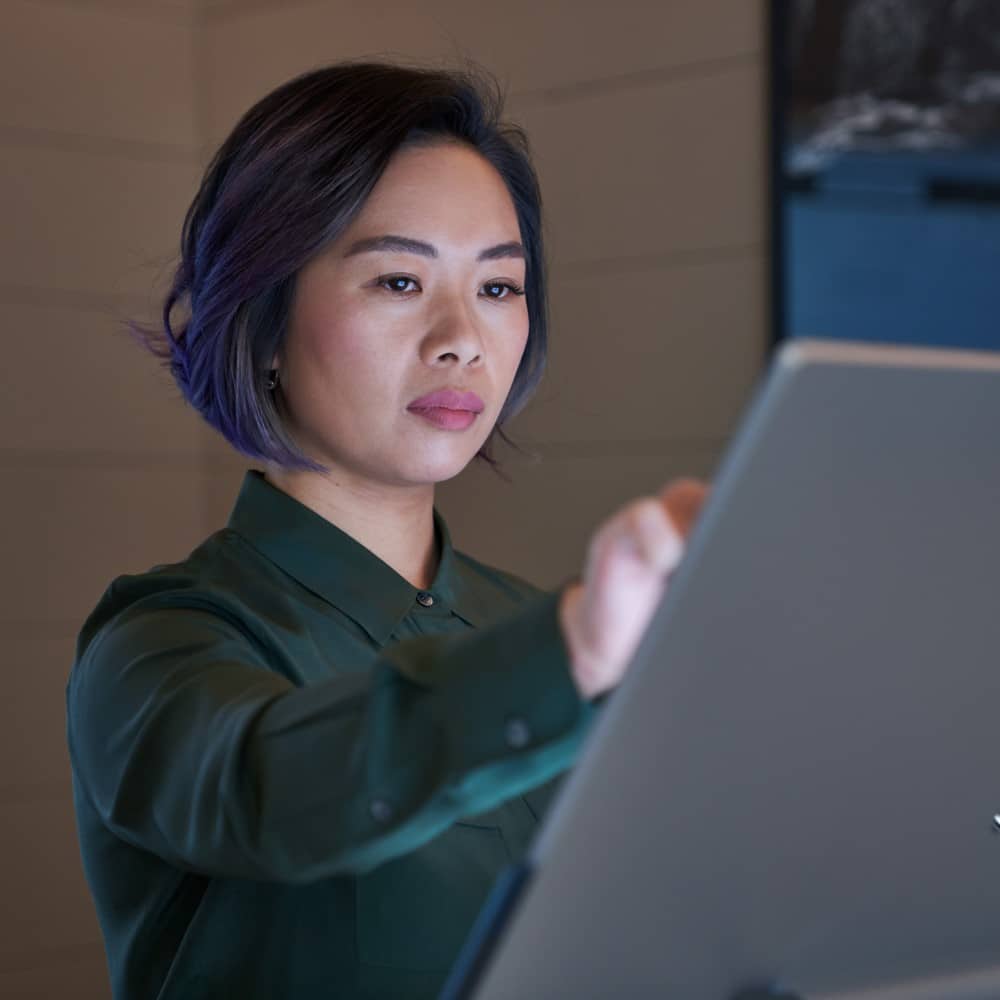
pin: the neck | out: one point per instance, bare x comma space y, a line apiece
396, 525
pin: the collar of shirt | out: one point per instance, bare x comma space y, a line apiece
337, 567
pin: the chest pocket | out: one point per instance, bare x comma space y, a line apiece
416, 911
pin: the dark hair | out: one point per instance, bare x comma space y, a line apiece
290, 177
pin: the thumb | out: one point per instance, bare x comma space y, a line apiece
682, 500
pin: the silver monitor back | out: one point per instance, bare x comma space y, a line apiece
798, 783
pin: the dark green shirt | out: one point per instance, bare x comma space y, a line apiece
295, 775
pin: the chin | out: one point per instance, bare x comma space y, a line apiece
436, 473
437, 468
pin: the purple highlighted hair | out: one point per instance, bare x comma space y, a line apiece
290, 178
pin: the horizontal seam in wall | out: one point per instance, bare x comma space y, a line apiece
83, 458
638, 79
35, 791
221, 10
122, 306
128, 9
46, 958
24, 629
99, 145
632, 448
672, 259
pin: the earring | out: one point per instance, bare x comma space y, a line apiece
272, 379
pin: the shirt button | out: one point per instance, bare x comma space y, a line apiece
380, 810
516, 733
425, 599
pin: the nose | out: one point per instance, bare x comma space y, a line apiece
453, 337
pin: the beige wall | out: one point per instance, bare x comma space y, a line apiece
646, 120
100, 468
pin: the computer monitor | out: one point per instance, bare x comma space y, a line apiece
796, 788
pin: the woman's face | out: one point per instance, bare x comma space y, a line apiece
376, 324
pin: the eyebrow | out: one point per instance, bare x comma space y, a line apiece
403, 244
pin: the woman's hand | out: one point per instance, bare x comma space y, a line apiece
603, 618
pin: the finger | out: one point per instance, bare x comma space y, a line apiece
655, 538
682, 500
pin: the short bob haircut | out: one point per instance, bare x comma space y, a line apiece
290, 177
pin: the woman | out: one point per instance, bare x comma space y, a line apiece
302, 754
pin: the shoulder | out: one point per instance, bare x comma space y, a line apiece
201, 582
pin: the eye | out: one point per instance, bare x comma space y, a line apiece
502, 289
396, 283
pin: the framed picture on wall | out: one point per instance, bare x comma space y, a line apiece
885, 162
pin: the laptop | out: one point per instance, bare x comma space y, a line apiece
795, 792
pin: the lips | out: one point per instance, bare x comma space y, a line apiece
448, 399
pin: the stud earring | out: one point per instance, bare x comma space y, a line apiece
272, 379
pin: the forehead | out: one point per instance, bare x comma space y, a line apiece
448, 189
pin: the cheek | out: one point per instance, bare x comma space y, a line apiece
515, 345
327, 320
342, 342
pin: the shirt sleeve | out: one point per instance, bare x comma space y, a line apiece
189, 746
